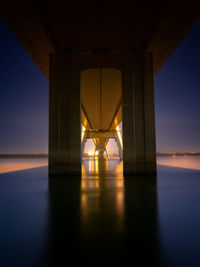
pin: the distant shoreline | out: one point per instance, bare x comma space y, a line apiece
179, 154
14, 156
9, 156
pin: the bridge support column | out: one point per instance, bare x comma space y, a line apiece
139, 150
119, 146
64, 116
83, 146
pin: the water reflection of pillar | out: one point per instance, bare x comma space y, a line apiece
64, 220
119, 169
120, 199
89, 198
141, 220
102, 200
93, 166
97, 166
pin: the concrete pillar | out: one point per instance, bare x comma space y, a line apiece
120, 149
83, 142
64, 116
83, 147
101, 146
101, 152
139, 150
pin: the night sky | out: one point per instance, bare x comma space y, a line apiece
24, 98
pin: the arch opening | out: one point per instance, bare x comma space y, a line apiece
101, 90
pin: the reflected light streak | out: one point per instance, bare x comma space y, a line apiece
120, 203
119, 169
102, 192
91, 165
190, 162
94, 165
90, 153
10, 165
87, 184
82, 133
97, 165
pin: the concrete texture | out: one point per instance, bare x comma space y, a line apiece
64, 117
139, 151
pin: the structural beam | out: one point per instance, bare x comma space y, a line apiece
100, 134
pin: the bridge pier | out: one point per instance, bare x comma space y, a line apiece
119, 146
139, 151
64, 116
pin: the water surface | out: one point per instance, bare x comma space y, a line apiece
14, 164
101, 219
188, 162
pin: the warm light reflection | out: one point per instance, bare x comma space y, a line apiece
120, 203
93, 166
107, 152
14, 164
87, 184
102, 190
82, 133
119, 135
90, 153
119, 169
189, 162
96, 165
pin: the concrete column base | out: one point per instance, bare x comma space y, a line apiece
69, 169
139, 169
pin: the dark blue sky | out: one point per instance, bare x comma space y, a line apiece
24, 98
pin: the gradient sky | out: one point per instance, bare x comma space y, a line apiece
24, 98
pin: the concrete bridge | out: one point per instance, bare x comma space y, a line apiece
100, 58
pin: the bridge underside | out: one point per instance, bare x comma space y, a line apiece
134, 81
100, 58
101, 106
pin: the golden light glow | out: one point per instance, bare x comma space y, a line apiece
119, 135
120, 203
97, 165
94, 165
96, 153
90, 153
180, 161
12, 164
82, 133
94, 192
87, 184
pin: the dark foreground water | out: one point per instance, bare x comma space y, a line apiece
101, 219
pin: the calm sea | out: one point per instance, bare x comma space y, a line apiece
16, 164
9, 165
188, 162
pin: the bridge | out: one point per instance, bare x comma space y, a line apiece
100, 58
